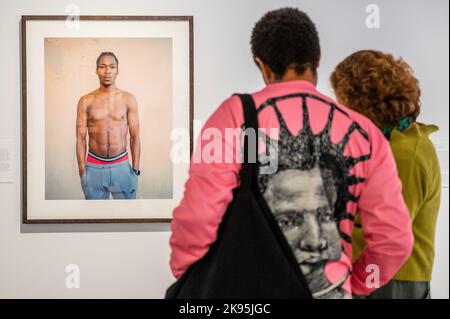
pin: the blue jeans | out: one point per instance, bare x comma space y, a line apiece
102, 181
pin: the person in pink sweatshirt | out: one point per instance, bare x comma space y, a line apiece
331, 164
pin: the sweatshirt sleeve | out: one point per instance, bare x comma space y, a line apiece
213, 174
385, 220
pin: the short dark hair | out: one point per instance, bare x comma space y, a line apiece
107, 54
286, 38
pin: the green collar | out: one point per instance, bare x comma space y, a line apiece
416, 130
401, 126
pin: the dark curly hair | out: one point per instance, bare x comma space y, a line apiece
286, 38
378, 86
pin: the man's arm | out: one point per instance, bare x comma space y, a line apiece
208, 191
81, 134
133, 124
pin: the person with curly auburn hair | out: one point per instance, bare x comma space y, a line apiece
378, 86
385, 90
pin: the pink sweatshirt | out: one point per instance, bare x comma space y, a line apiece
319, 234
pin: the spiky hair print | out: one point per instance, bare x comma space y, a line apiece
307, 150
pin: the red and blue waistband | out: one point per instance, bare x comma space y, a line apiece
96, 159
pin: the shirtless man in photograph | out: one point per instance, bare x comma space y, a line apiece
106, 115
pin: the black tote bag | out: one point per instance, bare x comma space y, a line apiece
251, 258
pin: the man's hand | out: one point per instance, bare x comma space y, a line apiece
81, 171
133, 124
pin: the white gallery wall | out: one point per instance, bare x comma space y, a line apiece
131, 261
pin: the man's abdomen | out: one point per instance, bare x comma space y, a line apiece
108, 142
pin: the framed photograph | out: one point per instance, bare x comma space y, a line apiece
101, 98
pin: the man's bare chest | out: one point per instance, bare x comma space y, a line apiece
104, 109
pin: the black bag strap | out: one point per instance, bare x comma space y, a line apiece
249, 175
201, 277
249, 168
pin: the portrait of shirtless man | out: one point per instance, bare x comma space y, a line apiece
104, 117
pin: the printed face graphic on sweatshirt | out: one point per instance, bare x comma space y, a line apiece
308, 196
299, 202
